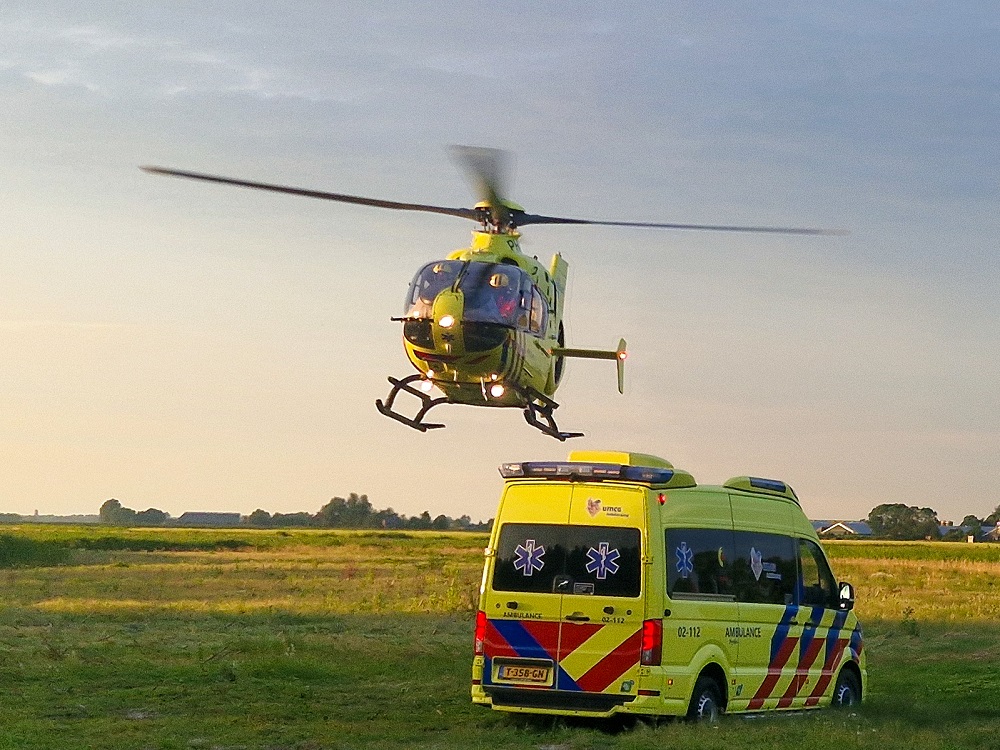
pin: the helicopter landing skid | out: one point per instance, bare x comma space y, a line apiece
538, 413
417, 421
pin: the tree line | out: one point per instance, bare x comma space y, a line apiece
353, 512
908, 522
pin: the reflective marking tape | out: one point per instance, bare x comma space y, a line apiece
782, 647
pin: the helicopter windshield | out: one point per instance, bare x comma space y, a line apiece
496, 293
430, 281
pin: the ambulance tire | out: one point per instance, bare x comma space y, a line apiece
706, 705
847, 691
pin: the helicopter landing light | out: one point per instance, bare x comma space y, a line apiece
426, 386
447, 321
497, 390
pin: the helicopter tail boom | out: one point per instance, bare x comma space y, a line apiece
618, 355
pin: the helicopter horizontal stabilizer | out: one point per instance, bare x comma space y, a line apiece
619, 355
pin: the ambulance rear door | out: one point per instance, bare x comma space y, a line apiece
602, 587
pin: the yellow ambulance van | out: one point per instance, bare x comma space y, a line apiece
615, 583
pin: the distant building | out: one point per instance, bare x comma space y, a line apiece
843, 529
201, 519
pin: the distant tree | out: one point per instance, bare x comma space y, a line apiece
423, 521
150, 517
109, 511
957, 534
353, 513
259, 518
898, 521
358, 514
331, 515
114, 514
972, 521
125, 517
993, 518
441, 523
292, 519
386, 519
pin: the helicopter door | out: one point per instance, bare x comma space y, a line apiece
539, 315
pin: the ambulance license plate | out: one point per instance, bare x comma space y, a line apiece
523, 674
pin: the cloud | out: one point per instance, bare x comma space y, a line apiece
67, 76
100, 39
102, 60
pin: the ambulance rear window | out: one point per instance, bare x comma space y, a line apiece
563, 559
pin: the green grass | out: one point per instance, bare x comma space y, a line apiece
315, 639
19, 551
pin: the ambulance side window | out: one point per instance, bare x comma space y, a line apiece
819, 587
765, 568
699, 563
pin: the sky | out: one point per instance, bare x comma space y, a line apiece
188, 346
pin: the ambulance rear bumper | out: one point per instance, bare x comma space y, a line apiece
556, 700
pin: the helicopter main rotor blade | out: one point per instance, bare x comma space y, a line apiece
464, 213
523, 219
488, 170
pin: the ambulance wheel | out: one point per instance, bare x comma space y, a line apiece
706, 705
847, 691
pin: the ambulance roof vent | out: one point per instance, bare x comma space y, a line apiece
593, 471
774, 487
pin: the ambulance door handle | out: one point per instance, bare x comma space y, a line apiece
578, 617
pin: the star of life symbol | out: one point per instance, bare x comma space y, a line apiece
602, 560
528, 557
685, 560
756, 563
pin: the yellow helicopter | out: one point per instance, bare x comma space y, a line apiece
484, 326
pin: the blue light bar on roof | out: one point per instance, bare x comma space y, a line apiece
774, 485
572, 471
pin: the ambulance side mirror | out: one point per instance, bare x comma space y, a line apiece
846, 597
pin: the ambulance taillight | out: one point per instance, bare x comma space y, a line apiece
652, 643
480, 633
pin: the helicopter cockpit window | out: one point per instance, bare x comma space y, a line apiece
496, 293
427, 284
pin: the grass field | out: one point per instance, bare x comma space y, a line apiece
318, 639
